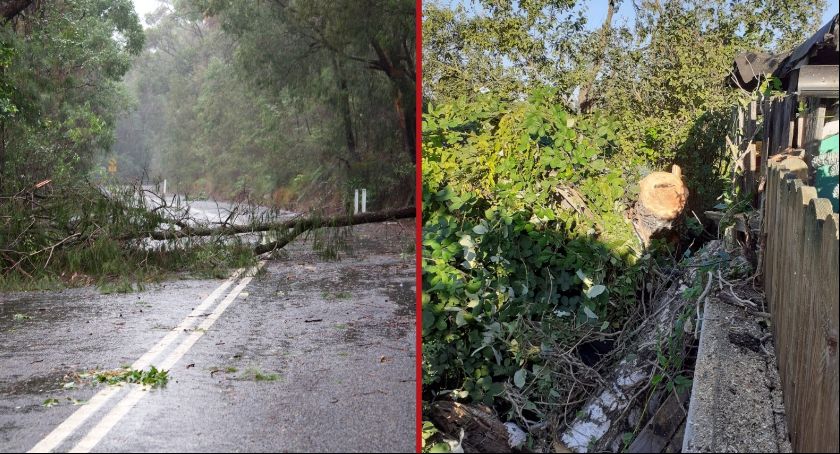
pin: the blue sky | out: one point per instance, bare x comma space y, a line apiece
596, 11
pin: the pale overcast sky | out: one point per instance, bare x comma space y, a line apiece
144, 7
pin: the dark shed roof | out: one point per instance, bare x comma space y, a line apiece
823, 47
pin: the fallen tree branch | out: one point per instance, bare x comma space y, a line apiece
302, 225
295, 223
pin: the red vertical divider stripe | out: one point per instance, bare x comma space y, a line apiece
418, 220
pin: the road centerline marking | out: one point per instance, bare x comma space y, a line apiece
95, 403
98, 432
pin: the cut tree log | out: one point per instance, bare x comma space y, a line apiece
628, 398
661, 430
662, 200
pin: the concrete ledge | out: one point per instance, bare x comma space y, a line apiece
736, 399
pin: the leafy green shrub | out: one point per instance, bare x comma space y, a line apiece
511, 268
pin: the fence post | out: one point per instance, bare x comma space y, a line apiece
364, 200
356, 202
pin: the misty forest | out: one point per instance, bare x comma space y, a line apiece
207, 225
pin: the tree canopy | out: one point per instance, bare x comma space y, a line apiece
61, 64
293, 100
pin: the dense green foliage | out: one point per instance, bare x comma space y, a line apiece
60, 71
74, 235
513, 268
663, 76
60, 95
499, 46
298, 101
536, 131
285, 104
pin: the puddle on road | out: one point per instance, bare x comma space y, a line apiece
34, 309
402, 293
37, 384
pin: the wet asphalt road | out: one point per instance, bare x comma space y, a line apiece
335, 340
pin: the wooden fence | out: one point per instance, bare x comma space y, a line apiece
801, 283
760, 130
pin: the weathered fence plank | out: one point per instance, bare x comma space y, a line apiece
801, 281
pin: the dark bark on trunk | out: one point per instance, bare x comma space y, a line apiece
403, 80
585, 99
2, 149
11, 8
483, 431
405, 115
344, 107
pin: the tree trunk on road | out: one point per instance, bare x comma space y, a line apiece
298, 227
296, 224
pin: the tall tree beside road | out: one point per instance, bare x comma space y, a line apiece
60, 67
306, 99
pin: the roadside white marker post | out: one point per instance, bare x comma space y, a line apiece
364, 200
356, 202
164, 186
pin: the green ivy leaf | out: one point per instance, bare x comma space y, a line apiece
519, 378
595, 291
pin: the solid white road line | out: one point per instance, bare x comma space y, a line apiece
75, 420
145, 360
125, 405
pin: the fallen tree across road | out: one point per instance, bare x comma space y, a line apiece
49, 231
299, 222
299, 226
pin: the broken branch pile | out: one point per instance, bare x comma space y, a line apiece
635, 398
